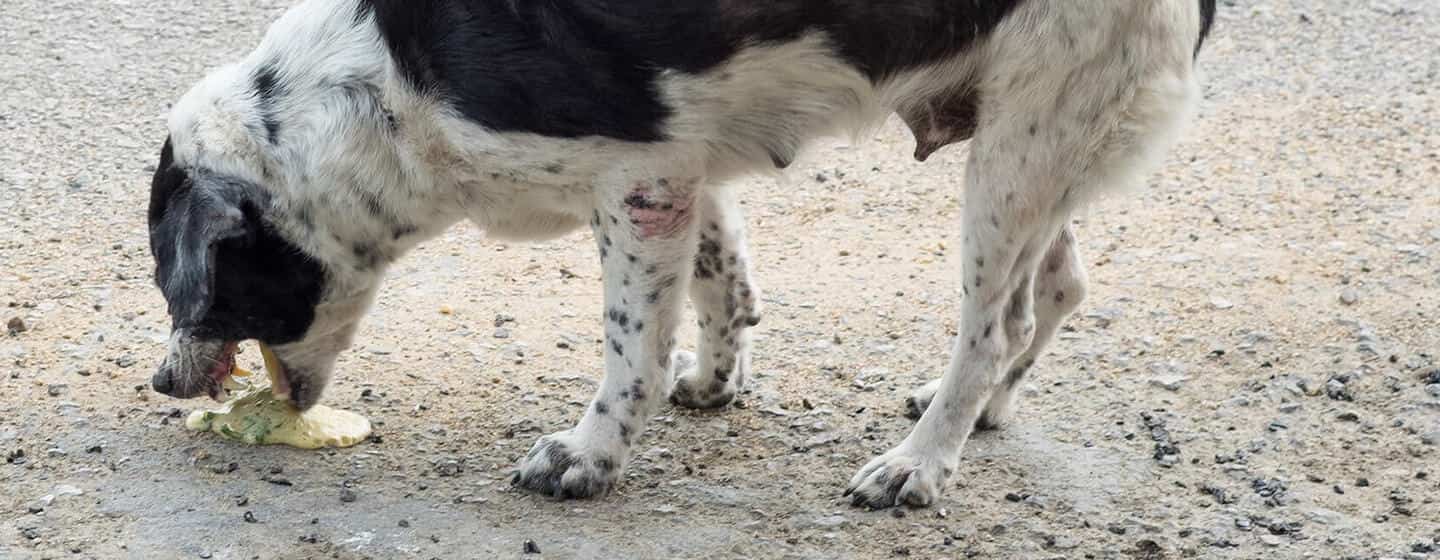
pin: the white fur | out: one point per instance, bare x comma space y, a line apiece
1105, 84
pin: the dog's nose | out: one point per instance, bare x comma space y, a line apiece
163, 382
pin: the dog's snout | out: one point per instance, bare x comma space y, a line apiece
164, 381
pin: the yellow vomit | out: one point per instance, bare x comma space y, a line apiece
255, 416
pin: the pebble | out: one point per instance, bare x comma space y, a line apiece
502, 333
1169, 382
1271, 540
1433, 390
347, 495
16, 326
57, 389
1349, 296
531, 547
449, 468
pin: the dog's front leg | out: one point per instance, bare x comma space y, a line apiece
644, 224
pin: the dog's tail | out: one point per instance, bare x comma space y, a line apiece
1207, 18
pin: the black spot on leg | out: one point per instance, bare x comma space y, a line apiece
1018, 374
1059, 296
653, 297
606, 240
972, 343
994, 220
617, 347
637, 391
722, 375
990, 326
625, 433
638, 201
619, 317
979, 262
639, 326
714, 226
595, 219
614, 220
1034, 127
977, 280
601, 408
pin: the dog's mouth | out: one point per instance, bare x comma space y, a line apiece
207, 368
221, 369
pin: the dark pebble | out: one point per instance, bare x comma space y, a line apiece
1362, 482
1115, 528
347, 495
16, 326
531, 547
404, 523
250, 517
1348, 417
1013, 497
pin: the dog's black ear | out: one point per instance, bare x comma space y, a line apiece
191, 214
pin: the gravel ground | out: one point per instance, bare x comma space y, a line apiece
1254, 376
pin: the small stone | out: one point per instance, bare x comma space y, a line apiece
1169, 382
1221, 303
501, 319
531, 547
57, 389
1337, 390
449, 468
404, 524
16, 326
1116, 528
348, 496
1348, 417
502, 333
1433, 390
1271, 540
250, 517
1349, 296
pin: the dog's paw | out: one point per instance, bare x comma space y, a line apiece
899, 477
920, 398
561, 465
695, 390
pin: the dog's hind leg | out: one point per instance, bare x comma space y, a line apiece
726, 305
1060, 286
1058, 123
644, 223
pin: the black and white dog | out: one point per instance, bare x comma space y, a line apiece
359, 128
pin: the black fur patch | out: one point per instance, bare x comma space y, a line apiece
1207, 20
267, 89
571, 68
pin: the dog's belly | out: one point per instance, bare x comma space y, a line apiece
529, 211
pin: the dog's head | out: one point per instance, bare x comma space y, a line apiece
228, 274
